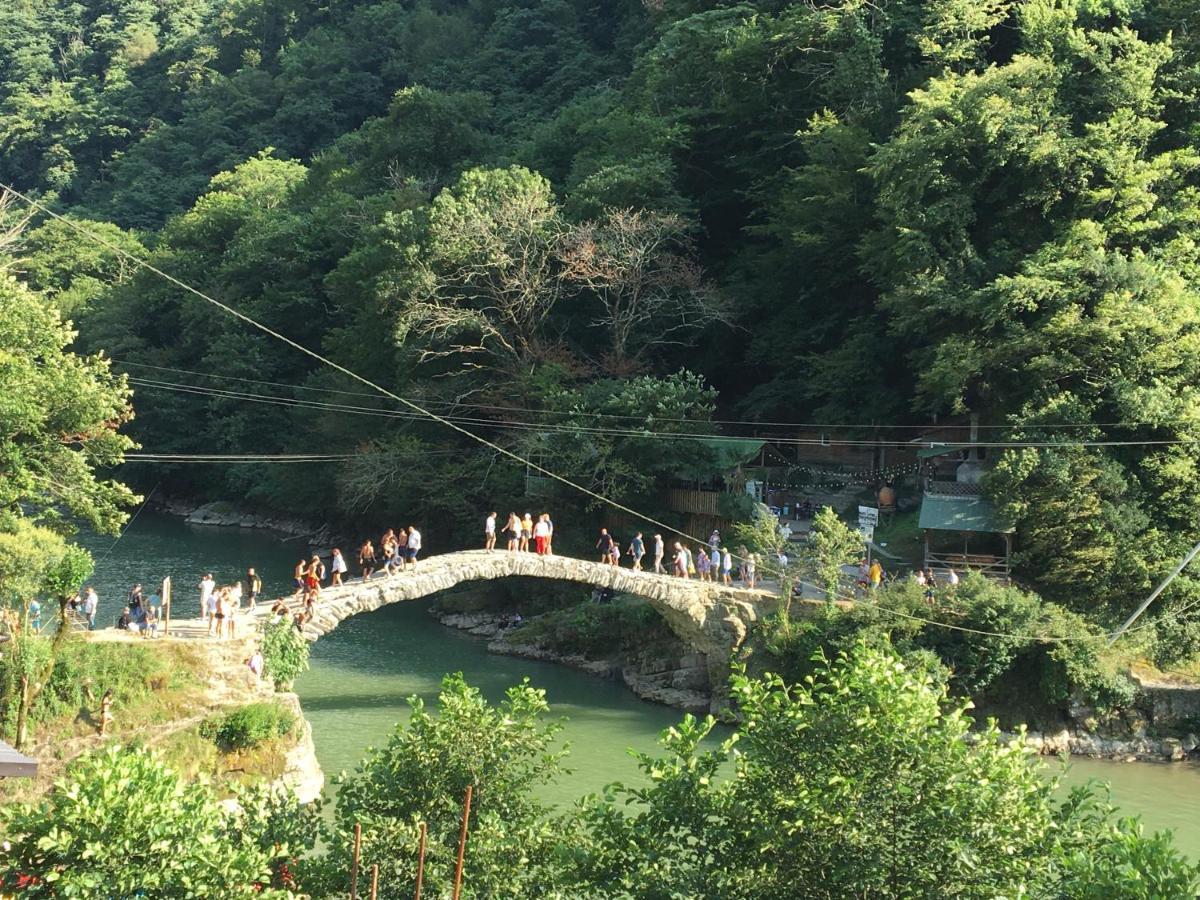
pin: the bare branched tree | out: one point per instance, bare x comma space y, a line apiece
490, 280
652, 293
14, 218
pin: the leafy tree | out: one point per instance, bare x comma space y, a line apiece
858, 782
285, 653
59, 419
505, 752
122, 823
831, 545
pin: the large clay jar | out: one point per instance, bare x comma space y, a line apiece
887, 496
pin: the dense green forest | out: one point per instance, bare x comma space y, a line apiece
562, 223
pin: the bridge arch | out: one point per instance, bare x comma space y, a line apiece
711, 619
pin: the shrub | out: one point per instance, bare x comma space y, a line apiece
248, 726
285, 653
123, 824
507, 751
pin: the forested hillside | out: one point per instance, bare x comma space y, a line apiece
544, 216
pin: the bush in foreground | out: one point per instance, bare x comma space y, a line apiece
123, 824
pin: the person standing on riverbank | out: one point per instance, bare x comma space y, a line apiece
637, 550
714, 546
489, 532
298, 575
726, 567
338, 566
875, 575
703, 563
549, 534
253, 587
91, 602
413, 547
207, 586
659, 549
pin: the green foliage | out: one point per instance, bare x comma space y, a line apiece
831, 545
120, 823
84, 670
595, 629
285, 653
38, 562
60, 417
505, 751
1003, 638
248, 726
284, 829
859, 782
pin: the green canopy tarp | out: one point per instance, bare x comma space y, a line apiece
974, 514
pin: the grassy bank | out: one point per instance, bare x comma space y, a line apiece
169, 695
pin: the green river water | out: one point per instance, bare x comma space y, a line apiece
361, 674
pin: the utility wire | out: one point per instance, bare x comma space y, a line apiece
758, 423
563, 428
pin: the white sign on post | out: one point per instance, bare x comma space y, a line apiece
867, 531
868, 515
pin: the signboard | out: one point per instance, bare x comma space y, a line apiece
867, 531
868, 515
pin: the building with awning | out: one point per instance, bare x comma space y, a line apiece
961, 527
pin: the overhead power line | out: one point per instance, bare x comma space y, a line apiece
565, 428
755, 423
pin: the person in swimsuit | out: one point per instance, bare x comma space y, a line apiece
366, 559
512, 531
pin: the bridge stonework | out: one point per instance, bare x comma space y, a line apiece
711, 619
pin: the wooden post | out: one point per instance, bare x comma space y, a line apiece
374, 881
166, 599
420, 862
462, 844
354, 863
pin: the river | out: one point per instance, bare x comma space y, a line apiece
362, 673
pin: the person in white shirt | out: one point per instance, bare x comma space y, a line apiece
952, 578
207, 586
489, 532
90, 602
338, 566
414, 547
658, 554
541, 535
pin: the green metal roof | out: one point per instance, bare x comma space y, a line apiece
960, 514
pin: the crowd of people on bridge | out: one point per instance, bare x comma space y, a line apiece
711, 562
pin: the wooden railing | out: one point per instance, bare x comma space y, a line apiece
953, 489
987, 565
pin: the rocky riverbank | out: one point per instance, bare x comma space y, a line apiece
663, 670
223, 514
675, 677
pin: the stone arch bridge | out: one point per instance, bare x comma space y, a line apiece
710, 618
